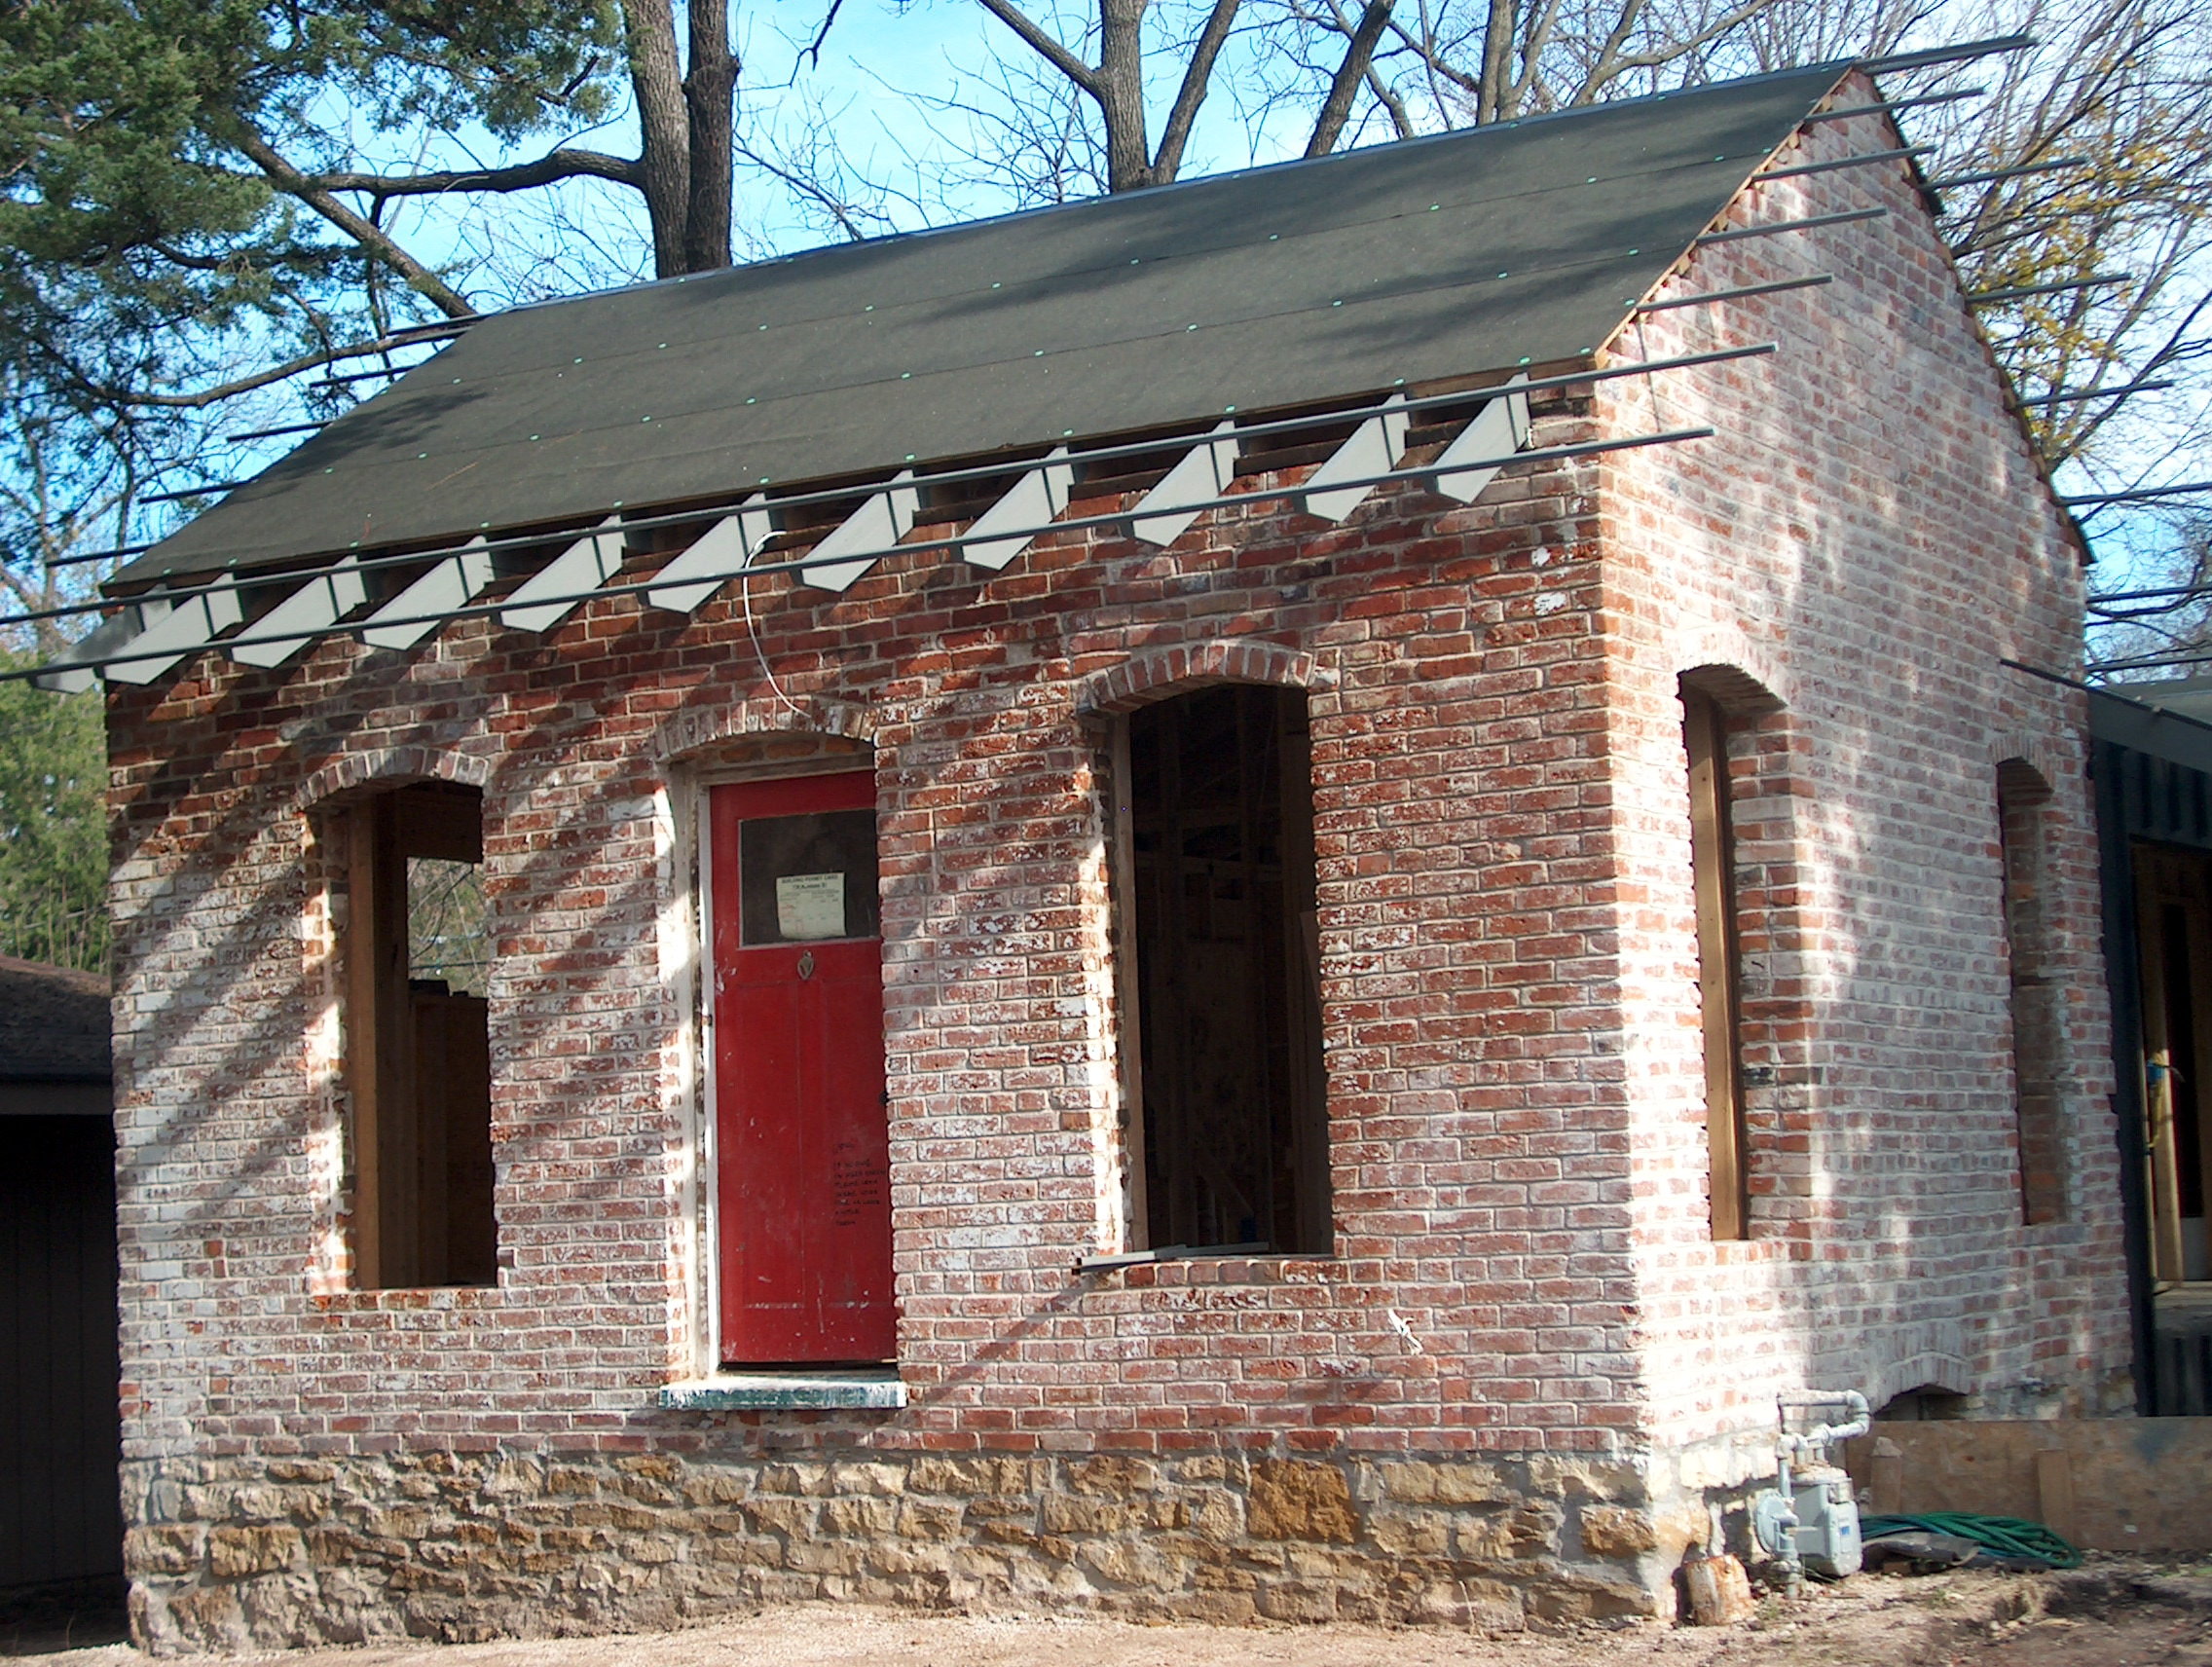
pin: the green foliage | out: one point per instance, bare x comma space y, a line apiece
53, 826
132, 220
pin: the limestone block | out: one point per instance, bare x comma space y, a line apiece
1214, 1513
1297, 1498
790, 1516
1615, 1531
1132, 1563
929, 1519
825, 1557
202, 1502
1410, 1533
570, 1479
1113, 1476
882, 1480
166, 1548
971, 1476
795, 1479
858, 1517
233, 1553
1210, 1467
717, 1487
209, 1617
1719, 1591
1297, 1601
1444, 1482
1069, 1513
299, 1471
282, 1610
1581, 1478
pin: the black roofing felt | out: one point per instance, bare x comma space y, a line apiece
53, 1024
1275, 288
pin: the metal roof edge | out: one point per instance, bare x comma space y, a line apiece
2144, 726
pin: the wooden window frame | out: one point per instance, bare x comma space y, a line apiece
1312, 1206
2032, 992
407, 1230
1719, 959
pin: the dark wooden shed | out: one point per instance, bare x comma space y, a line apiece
61, 1523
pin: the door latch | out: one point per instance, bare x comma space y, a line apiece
806, 964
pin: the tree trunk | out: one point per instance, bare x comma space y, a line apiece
709, 94
664, 127
1120, 93
1497, 60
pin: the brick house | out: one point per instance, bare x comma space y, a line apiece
1347, 878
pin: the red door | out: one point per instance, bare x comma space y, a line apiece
804, 1152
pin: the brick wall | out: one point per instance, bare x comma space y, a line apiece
1866, 542
1523, 1283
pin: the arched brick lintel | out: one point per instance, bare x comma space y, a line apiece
2030, 764
689, 732
1740, 694
1162, 673
389, 766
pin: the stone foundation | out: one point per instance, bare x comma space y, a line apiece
231, 1554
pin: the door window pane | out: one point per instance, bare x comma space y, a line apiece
805, 879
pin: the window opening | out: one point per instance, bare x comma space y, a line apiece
2020, 798
2174, 930
1231, 1141
1712, 861
417, 953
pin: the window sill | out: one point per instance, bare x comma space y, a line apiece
1185, 1253
786, 1392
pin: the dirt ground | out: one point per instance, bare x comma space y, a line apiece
2112, 1613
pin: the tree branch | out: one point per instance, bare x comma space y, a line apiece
293, 183
1197, 76
1044, 45
1344, 85
245, 384
554, 165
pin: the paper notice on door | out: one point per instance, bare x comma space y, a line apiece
810, 906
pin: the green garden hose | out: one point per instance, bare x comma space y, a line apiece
2006, 1536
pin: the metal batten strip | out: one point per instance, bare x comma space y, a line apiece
974, 473
1890, 105
2140, 493
2072, 396
1995, 173
1894, 61
1740, 233
2020, 293
90, 556
953, 543
192, 491
2183, 591
369, 375
1803, 169
273, 434
1815, 281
